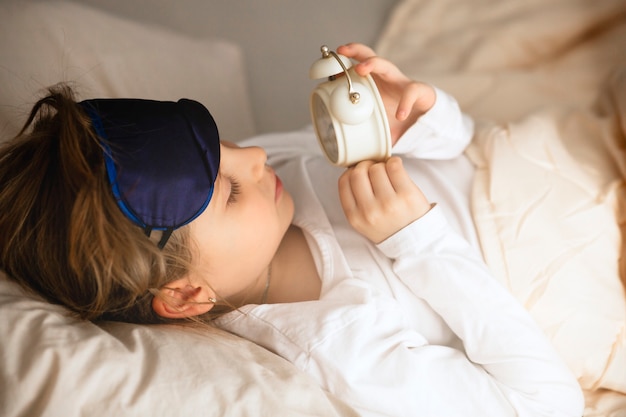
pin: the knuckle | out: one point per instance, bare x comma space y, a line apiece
377, 167
394, 162
363, 165
413, 86
373, 218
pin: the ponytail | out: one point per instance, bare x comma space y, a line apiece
62, 234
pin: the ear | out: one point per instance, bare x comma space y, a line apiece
180, 299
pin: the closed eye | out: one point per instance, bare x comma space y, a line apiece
235, 189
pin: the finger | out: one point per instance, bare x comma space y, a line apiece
354, 177
398, 176
382, 68
361, 185
356, 51
409, 96
406, 188
348, 203
415, 96
381, 184
369, 62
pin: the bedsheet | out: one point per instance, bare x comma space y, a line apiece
546, 82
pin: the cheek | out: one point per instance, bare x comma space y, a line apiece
255, 227
266, 216
262, 232
248, 234
241, 254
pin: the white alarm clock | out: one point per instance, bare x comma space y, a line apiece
348, 114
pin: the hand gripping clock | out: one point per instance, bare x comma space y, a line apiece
347, 111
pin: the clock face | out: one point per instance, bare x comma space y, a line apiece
325, 128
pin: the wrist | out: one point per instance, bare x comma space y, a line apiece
416, 236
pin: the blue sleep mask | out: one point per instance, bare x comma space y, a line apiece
162, 158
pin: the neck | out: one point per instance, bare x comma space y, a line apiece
294, 276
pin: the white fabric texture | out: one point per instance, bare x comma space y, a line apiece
54, 365
545, 80
406, 327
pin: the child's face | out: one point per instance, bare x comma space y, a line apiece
245, 221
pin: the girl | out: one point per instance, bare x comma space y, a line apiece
134, 210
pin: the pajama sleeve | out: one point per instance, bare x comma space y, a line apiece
441, 133
508, 367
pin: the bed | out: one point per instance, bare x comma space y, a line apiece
545, 81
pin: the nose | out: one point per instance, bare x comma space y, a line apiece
251, 158
258, 159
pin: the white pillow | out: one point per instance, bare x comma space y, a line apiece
54, 365
42, 43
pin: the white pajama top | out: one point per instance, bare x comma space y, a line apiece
416, 325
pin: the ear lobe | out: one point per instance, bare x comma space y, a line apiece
179, 300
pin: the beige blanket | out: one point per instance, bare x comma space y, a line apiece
546, 81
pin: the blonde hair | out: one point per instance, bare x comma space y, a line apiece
62, 233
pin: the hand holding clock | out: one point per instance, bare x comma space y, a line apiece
405, 99
379, 198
